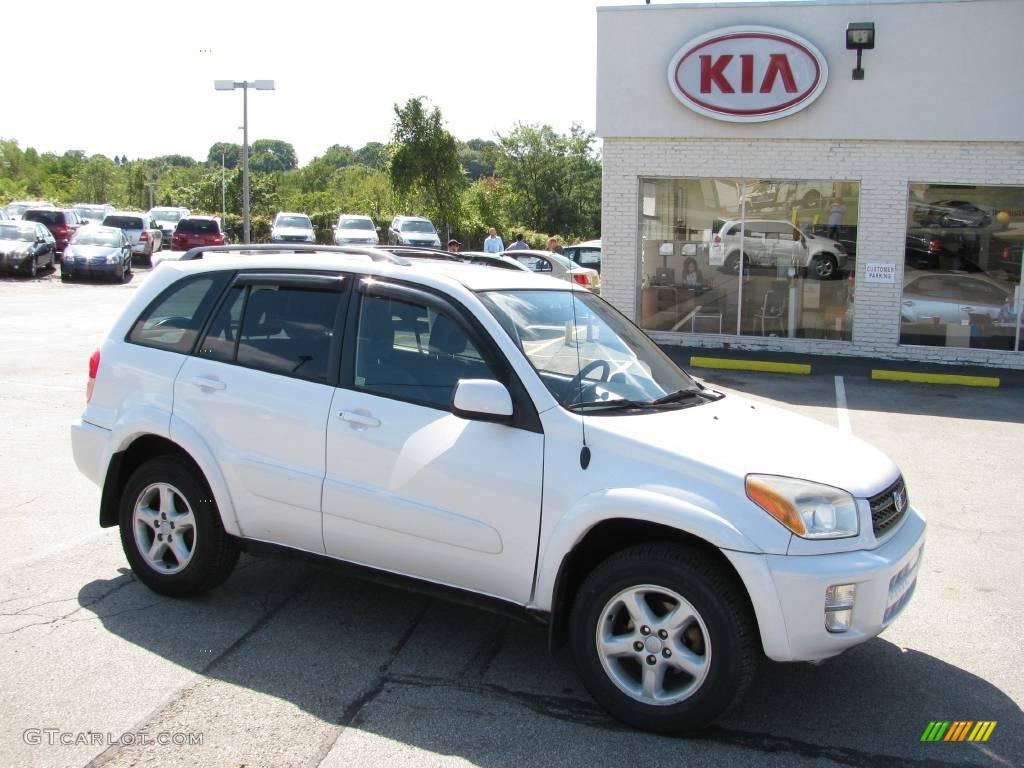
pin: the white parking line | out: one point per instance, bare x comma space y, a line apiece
842, 414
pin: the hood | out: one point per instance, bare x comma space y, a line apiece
9, 246
420, 237
88, 251
736, 437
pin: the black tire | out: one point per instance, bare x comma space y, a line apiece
33, 268
125, 272
812, 199
824, 267
721, 604
213, 556
732, 263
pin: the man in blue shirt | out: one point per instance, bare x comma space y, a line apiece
493, 244
519, 244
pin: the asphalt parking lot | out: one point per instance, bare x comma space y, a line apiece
289, 664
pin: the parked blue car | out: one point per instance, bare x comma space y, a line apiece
98, 252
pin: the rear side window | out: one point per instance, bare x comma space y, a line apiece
174, 319
281, 329
124, 222
50, 218
198, 226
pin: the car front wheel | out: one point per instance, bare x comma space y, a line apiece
663, 637
824, 267
171, 530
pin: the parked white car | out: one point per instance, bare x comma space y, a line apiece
413, 230
355, 229
289, 227
556, 265
768, 243
502, 433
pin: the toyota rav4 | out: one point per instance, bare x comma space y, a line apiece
502, 433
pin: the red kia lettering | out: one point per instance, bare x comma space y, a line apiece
712, 72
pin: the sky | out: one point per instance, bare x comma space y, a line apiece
138, 76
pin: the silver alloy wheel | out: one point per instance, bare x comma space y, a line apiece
165, 528
653, 645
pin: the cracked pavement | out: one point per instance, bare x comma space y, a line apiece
291, 664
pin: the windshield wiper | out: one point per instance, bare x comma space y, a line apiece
609, 405
675, 397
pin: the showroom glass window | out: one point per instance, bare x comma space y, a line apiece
762, 257
962, 267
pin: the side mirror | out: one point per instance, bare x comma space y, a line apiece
481, 400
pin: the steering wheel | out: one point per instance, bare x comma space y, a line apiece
593, 365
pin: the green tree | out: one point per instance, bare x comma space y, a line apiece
554, 180
232, 154
95, 181
373, 155
267, 155
478, 157
425, 160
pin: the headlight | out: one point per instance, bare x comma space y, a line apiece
311, 238
810, 510
113, 258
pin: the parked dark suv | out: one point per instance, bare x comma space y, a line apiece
62, 223
194, 231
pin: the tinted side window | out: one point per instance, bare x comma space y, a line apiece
219, 343
173, 320
288, 330
413, 352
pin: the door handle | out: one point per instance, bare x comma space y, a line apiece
204, 383
359, 419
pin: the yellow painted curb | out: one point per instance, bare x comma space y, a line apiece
936, 378
802, 369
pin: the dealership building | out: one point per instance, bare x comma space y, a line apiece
829, 177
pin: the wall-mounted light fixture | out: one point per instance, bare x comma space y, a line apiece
860, 36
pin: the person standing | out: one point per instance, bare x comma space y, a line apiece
835, 218
519, 244
493, 243
553, 245
453, 246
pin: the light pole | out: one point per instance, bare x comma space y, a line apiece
223, 205
245, 85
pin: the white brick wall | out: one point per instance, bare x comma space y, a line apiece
883, 168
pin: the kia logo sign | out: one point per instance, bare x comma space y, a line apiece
747, 74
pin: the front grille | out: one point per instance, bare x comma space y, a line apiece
885, 513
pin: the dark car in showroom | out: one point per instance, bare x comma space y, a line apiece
97, 251
62, 223
193, 231
25, 246
940, 250
953, 213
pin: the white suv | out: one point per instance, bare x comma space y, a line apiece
498, 432
768, 243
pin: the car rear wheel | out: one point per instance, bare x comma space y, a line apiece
663, 637
171, 530
732, 263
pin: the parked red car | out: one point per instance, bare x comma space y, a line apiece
193, 231
62, 223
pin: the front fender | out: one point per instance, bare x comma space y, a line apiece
648, 505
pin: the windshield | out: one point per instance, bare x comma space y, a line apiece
91, 212
587, 354
417, 226
89, 236
169, 216
355, 224
302, 222
198, 227
14, 232
51, 218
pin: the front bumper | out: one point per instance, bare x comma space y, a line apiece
15, 264
788, 592
85, 269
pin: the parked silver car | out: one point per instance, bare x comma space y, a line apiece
289, 227
146, 239
951, 298
93, 213
18, 207
353, 228
166, 219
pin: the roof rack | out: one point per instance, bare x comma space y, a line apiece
420, 252
375, 254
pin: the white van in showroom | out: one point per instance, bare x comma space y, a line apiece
502, 433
